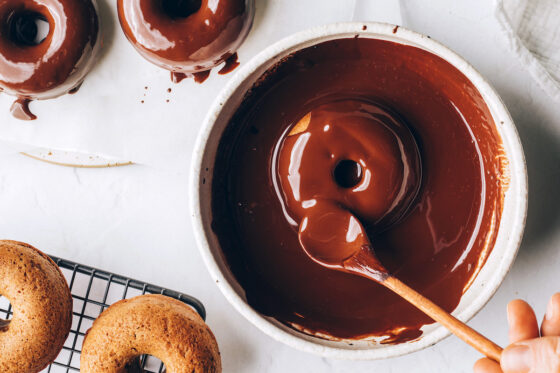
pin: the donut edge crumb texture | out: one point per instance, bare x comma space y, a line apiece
150, 324
59, 63
189, 44
42, 303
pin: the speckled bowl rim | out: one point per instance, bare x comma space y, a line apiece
515, 201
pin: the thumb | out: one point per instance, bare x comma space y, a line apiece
539, 355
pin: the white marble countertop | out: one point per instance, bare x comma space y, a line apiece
134, 220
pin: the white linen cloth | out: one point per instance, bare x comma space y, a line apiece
532, 28
124, 109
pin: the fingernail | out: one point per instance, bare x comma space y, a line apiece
550, 310
508, 314
516, 359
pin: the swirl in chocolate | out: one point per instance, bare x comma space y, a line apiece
355, 153
37, 67
186, 37
427, 140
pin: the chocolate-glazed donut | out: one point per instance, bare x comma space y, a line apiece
187, 37
355, 153
42, 69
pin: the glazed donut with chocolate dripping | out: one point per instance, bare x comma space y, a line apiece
355, 153
36, 65
187, 37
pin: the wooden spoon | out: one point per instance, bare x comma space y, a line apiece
335, 238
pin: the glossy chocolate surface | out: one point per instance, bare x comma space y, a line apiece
376, 95
56, 64
186, 36
355, 153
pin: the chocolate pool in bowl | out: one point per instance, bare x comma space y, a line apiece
454, 238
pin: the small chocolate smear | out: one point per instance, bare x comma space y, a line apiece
230, 64
395, 29
177, 77
20, 109
75, 89
201, 76
4, 325
168, 90
364, 28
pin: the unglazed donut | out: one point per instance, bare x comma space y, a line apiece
150, 324
355, 153
42, 69
187, 36
42, 305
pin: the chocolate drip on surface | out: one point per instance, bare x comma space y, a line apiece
230, 64
75, 89
178, 77
20, 109
201, 77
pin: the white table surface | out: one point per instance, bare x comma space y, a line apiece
135, 221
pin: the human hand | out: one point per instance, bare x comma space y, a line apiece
531, 350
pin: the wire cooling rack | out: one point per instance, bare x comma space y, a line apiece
93, 291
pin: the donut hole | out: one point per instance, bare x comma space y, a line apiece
347, 173
5, 312
28, 28
145, 364
181, 8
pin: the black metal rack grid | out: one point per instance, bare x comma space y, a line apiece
93, 290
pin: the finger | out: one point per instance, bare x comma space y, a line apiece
522, 321
551, 323
486, 365
533, 356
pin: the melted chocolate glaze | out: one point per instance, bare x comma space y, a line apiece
20, 109
186, 36
200, 77
230, 64
437, 247
42, 69
349, 132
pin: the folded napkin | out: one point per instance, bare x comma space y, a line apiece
532, 28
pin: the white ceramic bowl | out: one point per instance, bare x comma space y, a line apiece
486, 283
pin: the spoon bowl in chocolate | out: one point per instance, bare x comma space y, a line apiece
335, 238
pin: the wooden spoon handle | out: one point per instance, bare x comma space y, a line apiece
461, 330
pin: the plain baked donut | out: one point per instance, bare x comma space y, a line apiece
353, 152
42, 306
189, 36
41, 69
150, 324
